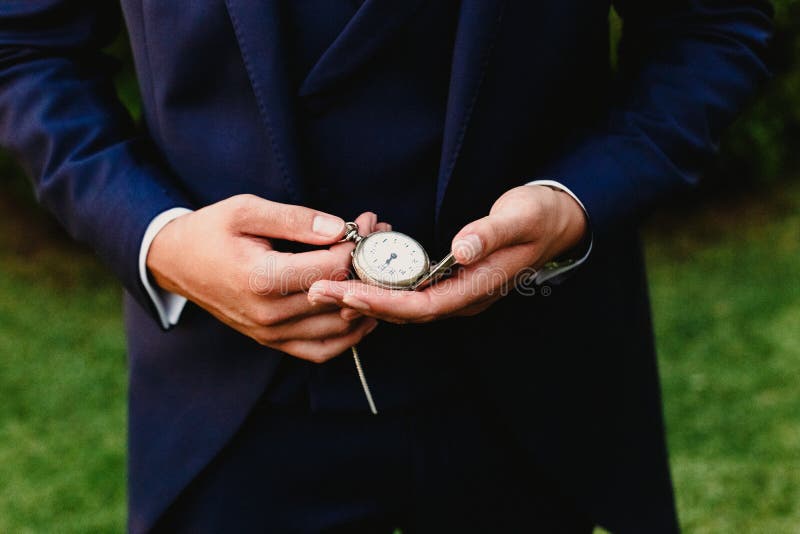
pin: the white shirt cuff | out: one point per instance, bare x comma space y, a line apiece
168, 305
555, 273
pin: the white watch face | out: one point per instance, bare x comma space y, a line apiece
390, 259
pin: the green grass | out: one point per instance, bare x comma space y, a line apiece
726, 295
62, 385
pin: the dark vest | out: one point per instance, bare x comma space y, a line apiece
343, 57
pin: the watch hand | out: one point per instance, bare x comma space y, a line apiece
387, 262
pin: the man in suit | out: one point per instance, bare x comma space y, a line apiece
493, 128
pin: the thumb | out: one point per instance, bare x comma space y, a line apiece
264, 218
480, 238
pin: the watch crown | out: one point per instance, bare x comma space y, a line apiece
351, 233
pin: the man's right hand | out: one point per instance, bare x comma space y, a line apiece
221, 258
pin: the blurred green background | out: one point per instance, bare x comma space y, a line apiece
724, 275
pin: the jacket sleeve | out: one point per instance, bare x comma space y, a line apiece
686, 68
59, 114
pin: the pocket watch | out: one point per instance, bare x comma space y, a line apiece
393, 260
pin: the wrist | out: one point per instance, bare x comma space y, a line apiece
577, 226
571, 227
160, 261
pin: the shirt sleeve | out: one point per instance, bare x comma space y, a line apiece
168, 306
557, 271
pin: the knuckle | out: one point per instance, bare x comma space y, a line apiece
497, 233
239, 207
333, 265
261, 281
267, 317
263, 339
270, 289
295, 217
318, 357
340, 259
248, 199
426, 318
308, 275
272, 336
537, 207
241, 203
432, 306
340, 273
342, 327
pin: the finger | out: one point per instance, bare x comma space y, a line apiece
317, 327
297, 272
324, 350
516, 218
349, 314
260, 217
295, 306
383, 227
283, 273
366, 223
483, 237
472, 286
397, 306
480, 307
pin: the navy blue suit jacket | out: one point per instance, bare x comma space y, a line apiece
532, 95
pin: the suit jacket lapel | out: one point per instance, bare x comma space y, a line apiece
258, 28
373, 25
478, 22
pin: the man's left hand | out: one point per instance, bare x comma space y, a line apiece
527, 227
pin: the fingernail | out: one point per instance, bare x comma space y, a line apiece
351, 301
316, 295
349, 314
468, 248
327, 226
321, 299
